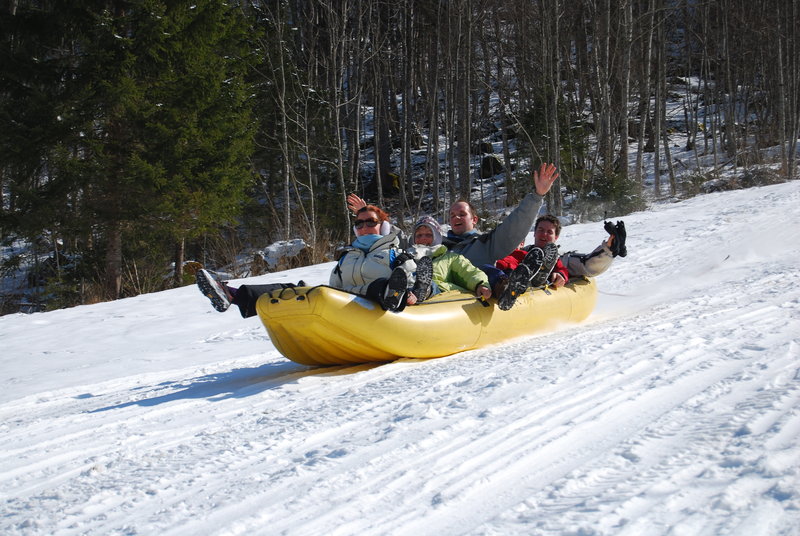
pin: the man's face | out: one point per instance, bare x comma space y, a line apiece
461, 218
545, 233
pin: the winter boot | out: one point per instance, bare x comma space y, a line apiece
213, 290
422, 285
520, 278
395, 292
610, 227
550, 258
500, 286
618, 233
620, 238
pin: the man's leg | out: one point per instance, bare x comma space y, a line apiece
591, 265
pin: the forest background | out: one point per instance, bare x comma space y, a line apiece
139, 134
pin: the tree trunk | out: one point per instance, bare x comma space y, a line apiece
462, 92
624, 77
114, 260
177, 274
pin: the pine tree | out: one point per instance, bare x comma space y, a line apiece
129, 124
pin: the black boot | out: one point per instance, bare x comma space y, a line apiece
612, 230
424, 276
621, 235
617, 246
520, 278
214, 290
395, 294
550, 258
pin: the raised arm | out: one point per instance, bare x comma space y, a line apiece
516, 226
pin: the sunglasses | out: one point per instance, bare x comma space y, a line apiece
369, 223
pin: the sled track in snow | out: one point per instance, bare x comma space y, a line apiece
578, 436
644, 419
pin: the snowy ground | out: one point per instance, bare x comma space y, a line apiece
674, 410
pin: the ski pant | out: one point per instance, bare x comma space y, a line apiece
591, 265
493, 273
247, 296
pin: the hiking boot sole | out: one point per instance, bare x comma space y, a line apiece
550, 253
395, 290
212, 290
424, 277
520, 278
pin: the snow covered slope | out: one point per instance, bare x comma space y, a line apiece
674, 410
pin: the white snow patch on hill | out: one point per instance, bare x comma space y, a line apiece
674, 410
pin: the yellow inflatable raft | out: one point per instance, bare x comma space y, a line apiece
325, 326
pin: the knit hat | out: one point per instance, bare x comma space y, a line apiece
434, 226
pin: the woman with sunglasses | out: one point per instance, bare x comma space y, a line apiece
375, 267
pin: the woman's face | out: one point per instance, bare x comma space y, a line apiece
367, 222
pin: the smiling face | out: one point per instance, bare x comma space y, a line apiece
423, 236
462, 220
369, 221
545, 233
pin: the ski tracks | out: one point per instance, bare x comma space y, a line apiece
574, 428
722, 395
676, 409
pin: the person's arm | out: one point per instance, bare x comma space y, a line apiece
335, 279
467, 275
516, 226
560, 275
511, 261
344, 274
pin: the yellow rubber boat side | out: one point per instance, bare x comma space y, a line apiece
326, 326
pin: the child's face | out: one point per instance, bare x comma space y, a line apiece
423, 236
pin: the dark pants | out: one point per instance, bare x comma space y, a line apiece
376, 291
494, 274
247, 296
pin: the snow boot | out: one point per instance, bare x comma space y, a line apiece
424, 277
500, 286
395, 293
610, 227
540, 278
621, 236
617, 231
213, 289
520, 278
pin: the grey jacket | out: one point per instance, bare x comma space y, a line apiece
488, 247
